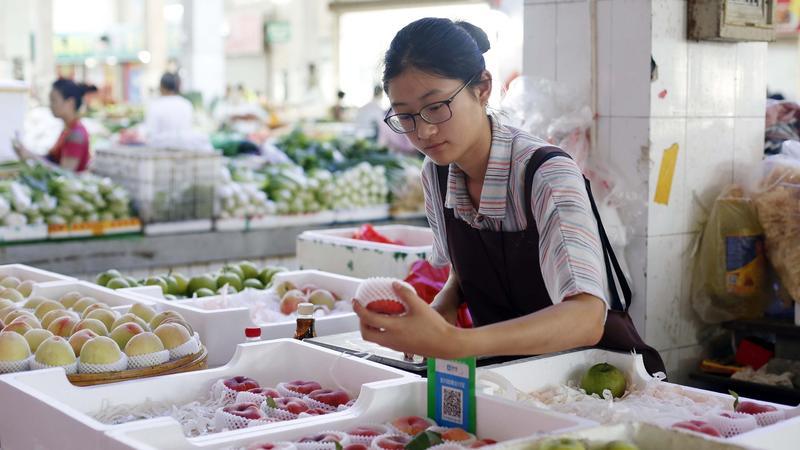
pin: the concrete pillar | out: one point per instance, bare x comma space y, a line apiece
155, 42
203, 58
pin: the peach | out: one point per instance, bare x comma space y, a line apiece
20, 327
25, 288
2, 325
36, 337
63, 326
127, 318
100, 350
70, 298
45, 307
5, 311
290, 301
10, 282
32, 321
11, 294
4, 303
55, 351
283, 287
144, 312
77, 340
143, 344
81, 305
10, 317
172, 335
321, 297
124, 332
55, 314
160, 317
34, 302
92, 307
13, 347
107, 316
179, 322
92, 324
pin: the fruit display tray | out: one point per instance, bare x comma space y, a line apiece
55, 414
335, 251
222, 329
644, 436
535, 373
497, 419
38, 276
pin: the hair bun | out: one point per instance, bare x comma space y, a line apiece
477, 34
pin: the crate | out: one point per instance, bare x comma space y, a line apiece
166, 185
63, 411
336, 251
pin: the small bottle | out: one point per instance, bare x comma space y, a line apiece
252, 334
305, 321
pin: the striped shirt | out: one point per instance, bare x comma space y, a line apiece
570, 253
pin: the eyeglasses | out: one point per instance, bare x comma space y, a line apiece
433, 114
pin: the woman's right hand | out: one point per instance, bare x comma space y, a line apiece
447, 301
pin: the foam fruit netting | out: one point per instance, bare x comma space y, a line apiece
197, 418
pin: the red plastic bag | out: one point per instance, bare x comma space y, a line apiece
367, 233
428, 281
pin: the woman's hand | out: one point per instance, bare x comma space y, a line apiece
421, 331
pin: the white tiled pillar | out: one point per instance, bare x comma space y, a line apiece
708, 99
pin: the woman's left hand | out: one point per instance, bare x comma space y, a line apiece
421, 331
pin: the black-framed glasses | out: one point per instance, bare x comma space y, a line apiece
434, 113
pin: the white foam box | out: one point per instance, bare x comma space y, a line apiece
334, 250
644, 436
496, 419
23, 233
38, 276
222, 329
48, 412
536, 373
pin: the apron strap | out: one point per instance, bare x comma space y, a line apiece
442, 173
539, 157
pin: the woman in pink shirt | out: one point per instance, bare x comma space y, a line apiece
71, 150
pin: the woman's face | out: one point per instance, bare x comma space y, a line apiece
58, 106
448, 141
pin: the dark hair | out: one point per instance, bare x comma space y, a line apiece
171, 82
439, 47
70, 89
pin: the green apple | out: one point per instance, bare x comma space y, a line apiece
200, 282
231, 279
118, 283
172, 285
620, 445
248, 269
156, 281
107, 276
132, 282
235, 269
266, 275
604, 376
253, 283
205, 292
182, 283
562, 444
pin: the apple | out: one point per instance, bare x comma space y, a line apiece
77, 340
748, 407
412, 425
34, 302
107, 316
283, 287
249, 270
82, 304
290, 301
143, 344
36, 337
292, 404
120, 283
302, 387
249, 411
271, 446
124, 332
92, 324
332, 397
316, 411
482, 443
562, 444
172, 335
181, 284
698, 426
12, 294
144, 312
355, 447
20, 327
204, 292
32, 321
10, 282
55, 351
392, 442
158, 318
93, 307
100, 350
200, 282
13, 347
45, 307
604, 376
322, 297
25, 288
388, 307
456, 435
70, 298
241, 383
63, 326
265, 392
107, 276
230, 279
128, 318
55, 314
620, 445
157, 281
252, 283
368, 430
324, 437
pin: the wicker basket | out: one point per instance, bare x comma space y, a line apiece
197, 361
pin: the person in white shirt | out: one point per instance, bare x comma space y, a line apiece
370, 116
168, 118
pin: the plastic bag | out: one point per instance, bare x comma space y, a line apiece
730, 280
776, 197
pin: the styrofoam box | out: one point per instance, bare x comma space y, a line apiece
26, 232
497, 419
222, 329
539, 372
335, 251
56, 414
24, 272
644, 436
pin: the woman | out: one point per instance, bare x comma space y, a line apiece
509, 212
71, 150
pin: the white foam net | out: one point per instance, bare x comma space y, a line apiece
189, 347
122, 364
732, 426
71, 369
148, 359
15, 366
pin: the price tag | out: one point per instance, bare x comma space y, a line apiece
451, 392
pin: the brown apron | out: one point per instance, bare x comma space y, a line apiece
501, 279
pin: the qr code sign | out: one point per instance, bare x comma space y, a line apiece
452, 405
